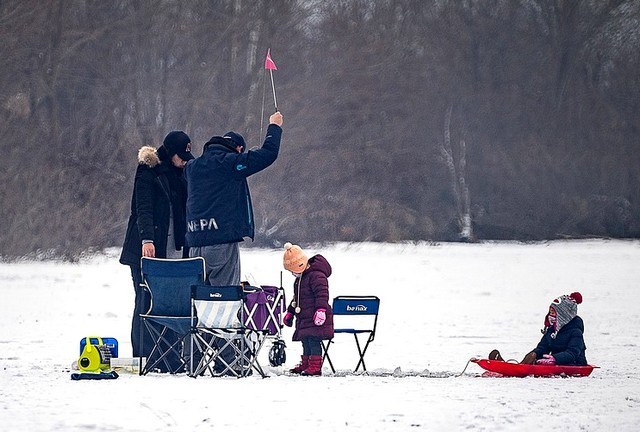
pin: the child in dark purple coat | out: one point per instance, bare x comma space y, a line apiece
310, 306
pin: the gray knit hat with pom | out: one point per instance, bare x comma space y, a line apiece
566, 307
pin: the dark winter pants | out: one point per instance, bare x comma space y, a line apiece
222, 262
311, 346
142, 303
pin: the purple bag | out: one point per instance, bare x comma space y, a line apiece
264, 308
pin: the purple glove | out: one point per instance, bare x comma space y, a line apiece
546, 360
288, 319
320, 317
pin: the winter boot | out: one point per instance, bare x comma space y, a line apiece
315, 366
495, 355
529, 358
304, 363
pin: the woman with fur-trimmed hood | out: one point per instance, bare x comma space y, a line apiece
157, 222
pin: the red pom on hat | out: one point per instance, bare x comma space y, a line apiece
577, 297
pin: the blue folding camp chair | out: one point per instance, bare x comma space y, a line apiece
168, 320
356, 315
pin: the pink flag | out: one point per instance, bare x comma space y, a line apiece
268, 63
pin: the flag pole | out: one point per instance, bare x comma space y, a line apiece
273, 87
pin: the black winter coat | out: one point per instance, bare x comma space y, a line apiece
311, 292
567, 347
158, 187
219, 206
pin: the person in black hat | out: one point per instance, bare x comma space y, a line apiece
219, 210
157, 221
178, 145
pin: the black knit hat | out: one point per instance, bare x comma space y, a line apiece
178, 142
236, 138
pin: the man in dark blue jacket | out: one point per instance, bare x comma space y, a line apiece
219, 211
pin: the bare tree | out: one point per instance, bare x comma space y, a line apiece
456, 165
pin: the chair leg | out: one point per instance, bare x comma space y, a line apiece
157, 336
191, 354
362, 353
142, 370
326, 354
208, 353
172, 348
361, 361
256, 347
198, 349
244, 350
163, 353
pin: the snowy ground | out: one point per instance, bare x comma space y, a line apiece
440, 305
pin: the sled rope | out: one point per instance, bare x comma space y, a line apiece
466, 366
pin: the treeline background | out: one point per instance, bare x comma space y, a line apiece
404, 119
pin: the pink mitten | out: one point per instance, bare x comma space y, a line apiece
546, 360
288, 319
319, 317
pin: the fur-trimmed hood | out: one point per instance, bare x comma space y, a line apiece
148, 155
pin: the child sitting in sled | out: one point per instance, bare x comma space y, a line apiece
562, 341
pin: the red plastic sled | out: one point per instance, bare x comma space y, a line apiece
523, 370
